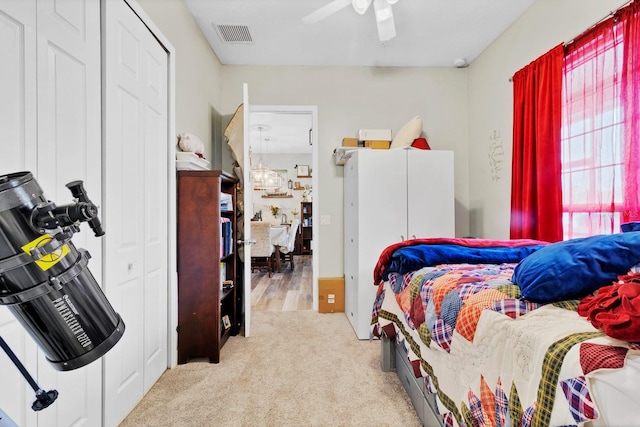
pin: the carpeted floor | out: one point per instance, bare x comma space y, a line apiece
298, 368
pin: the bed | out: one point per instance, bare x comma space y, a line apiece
513, 333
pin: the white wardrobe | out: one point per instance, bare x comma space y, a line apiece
390, 196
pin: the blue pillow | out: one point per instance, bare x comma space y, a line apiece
630, 226
575, 268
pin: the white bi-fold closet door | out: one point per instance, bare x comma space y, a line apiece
54, 120
136, 182
50, 126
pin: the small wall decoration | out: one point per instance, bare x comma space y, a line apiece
303, 170
496, 153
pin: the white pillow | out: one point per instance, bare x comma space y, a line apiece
190, 143
408, 133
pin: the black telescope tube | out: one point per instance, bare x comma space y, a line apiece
52, 293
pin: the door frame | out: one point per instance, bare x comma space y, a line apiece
313, 110
172, 259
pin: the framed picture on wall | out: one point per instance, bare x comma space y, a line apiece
303, 170
283, 173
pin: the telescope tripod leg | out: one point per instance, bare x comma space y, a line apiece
43, 398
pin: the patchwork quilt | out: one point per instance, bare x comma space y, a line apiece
495, 359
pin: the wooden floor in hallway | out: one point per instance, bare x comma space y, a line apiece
286, 291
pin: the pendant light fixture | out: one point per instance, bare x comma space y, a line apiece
262, 176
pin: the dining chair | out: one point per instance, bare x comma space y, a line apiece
287, 252
262, 250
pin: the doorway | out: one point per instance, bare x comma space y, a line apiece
284, 139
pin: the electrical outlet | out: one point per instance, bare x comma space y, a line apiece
325, 219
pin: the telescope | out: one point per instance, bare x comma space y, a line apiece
45, 282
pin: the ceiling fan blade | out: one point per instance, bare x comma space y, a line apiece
325, 11
386, 30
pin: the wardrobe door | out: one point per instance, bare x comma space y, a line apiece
431, 200
18, 146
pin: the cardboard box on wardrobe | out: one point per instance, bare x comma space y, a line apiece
378, 144
349, 142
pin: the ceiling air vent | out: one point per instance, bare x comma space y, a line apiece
233, 33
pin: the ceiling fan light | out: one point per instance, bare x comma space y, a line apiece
383, 10
361, 6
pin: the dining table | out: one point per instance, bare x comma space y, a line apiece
279, 238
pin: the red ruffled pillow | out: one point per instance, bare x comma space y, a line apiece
616, 308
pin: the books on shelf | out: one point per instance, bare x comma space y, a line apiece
226, 202
226, 238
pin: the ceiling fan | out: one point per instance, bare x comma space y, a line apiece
382, 9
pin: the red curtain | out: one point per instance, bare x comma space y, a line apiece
629, 18
536, 186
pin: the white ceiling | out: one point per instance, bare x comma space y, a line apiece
430, 33
281, 132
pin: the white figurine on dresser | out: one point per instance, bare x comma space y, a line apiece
390, 196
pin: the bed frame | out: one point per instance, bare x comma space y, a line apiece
393, 358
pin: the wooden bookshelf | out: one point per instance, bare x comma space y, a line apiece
207, 262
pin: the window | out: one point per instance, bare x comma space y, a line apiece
593, 134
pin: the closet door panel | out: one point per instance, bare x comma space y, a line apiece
69, 147
136, 122
32, 49
155, 212
69, 111
17, 86
124, 247
18, 145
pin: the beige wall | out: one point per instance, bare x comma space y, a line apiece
546, 24
350, 98
197, 72
468, 110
